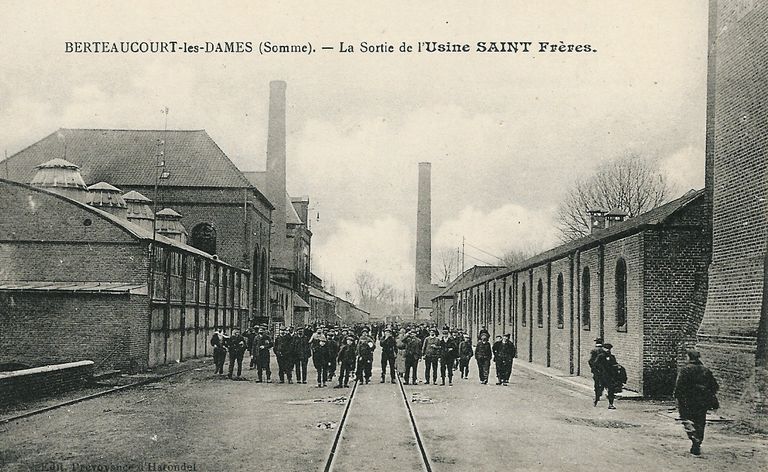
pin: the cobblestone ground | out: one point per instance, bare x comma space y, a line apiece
202, 421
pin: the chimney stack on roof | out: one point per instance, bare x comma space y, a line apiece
596, 219
614, 217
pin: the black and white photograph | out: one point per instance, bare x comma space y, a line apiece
345, 236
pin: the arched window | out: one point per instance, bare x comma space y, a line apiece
621, 295
524, 305
204, 238
509, 306
586, 300
540, 304
264, 281
560, 315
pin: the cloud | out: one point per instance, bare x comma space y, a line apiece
496, 232
381, 246
685, 168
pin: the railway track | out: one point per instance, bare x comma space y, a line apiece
359, 440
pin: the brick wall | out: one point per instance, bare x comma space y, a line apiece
628, 345
560, 335
588, 259
42, 381
728, 334
51, 328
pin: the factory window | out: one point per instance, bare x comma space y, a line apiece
510, 306
523, 305
204, 238
586, 301
621, 295
560, 316
540, 304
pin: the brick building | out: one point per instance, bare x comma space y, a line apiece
640, 284
444, 303
77, 282
733, 337
224, 214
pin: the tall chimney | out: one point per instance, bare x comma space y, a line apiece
276, 171
424, 227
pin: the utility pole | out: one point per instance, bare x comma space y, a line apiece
462, 254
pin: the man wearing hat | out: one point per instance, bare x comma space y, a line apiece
483, 358
388, 354
260, 350
285, 354
696, 392
465, 354
236, 347
431, 351
594, 355
504, 353
611, 375
448, 353
346, 359
412, 355
365, 348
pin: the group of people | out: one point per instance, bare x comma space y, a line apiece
350, 350
695, 388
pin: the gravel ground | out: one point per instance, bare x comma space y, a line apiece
200, 420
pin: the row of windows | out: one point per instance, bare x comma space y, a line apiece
620, 290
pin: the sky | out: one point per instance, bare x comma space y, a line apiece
506, 133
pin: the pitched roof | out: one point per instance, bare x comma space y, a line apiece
127, 157
465, 278
653, 217
259, 180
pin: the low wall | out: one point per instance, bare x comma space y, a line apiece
41, 381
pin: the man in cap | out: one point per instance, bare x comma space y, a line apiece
346, 359
388, 354
594, 355
260, 350
465, 354
504, 354
483, 358
612, 375
319, 347
412, 355
285, 354
696, 392
365, 348
431, 351
448, 353
302, 353
219, 351
236, 346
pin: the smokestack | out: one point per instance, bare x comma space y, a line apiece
276, 170
424, 227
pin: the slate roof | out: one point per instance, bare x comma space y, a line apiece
127, 157
650, 218
259, 180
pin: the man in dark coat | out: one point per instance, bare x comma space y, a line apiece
594, 354
696, 392
465, 354
260, 350
219, 351
388, 354
286, 356
431, 351
448, 352
346, 359
412, 356
504, 354
483, 358
333, 351
609, 373
365, 348
303, 352
236, 346
319, 347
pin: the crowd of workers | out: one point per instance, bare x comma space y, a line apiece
350, 351
347, 353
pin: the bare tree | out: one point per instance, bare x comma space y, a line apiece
514, 256
447, 268
629, 183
